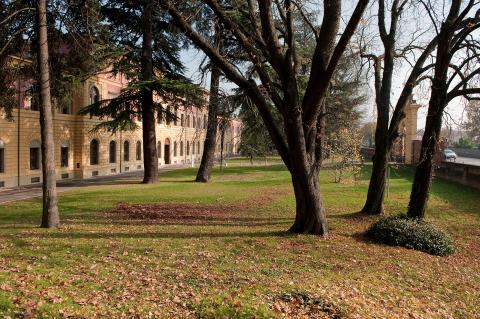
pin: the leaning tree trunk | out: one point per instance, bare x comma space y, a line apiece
150, 160
208, 156
423, 174
50, 215
438, 101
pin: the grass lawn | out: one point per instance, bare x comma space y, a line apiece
236, 259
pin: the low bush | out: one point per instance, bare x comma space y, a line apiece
411, 233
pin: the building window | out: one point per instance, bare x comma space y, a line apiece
139, 151
65, 107
199, 124
112, 152
126, 151
159, 115
2, 157
188, 147
174, 148
159, 149
94, 152
181, 148
64, 155
176, 116
193, 147
188, 121
94, 94
182, 120
198, 147
35, 155
168, 115
204, 121
194, 122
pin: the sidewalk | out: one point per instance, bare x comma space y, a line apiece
9, 195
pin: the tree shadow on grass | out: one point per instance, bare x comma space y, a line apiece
159, 235
355, 215
204, 222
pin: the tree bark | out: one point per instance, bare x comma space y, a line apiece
423, 174
205, 170
310, 217
438, 101
150, 161
383, 87
222, 141
377, 185
50, 214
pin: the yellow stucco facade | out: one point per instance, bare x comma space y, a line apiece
20, 160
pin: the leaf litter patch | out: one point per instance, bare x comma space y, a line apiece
303, 305
174, 212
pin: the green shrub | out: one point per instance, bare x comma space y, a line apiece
411, 233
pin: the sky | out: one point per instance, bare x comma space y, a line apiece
414, 21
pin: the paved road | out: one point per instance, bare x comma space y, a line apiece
27, 192
468, 160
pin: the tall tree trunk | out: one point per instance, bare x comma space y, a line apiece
222, 141
205, 170
310, 217
383, 145
377, 185
150, 160
50, 215
438, 101
424, 171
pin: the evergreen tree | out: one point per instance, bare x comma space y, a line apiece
145, 49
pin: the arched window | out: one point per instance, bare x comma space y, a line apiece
193, 147
159, 149
188, 147
182, 120
181, 148
194, 122
188, 121
176, 116
35, 155
94, 151
175, 149
2, 157
64, 154
138, 151
126, 151
112, 152
94, 94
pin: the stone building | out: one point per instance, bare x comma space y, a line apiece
404, 150
83, 153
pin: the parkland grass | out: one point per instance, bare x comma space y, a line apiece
239, 262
